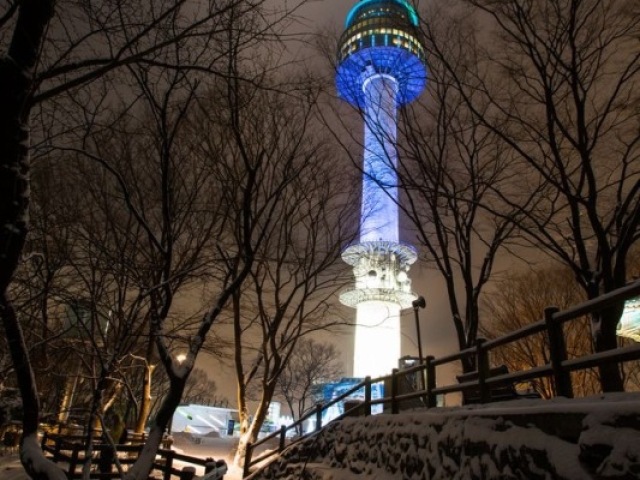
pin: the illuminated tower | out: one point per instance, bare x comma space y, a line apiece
381, 66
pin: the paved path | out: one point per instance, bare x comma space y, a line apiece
11, 468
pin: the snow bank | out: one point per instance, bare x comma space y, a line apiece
596, 437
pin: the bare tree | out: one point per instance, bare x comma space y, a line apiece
177, 216
304, 208
200, 388
51, 52
448, 165
559, 87
17, 69
519, 300
41, 282
301, 209
135, 231
311, 363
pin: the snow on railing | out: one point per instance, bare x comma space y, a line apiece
483, 382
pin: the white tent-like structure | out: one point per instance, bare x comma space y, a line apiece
629, 325
204, 420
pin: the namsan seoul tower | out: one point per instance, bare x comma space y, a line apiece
381, 66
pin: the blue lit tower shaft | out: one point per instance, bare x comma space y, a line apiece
379, 214
381, 66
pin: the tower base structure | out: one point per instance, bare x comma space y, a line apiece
377, 339
382, 289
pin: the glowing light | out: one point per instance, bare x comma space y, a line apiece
377, 75
207, 422
379, 218
407, 68
411, 12
401, 57
377, 339
217, 420
202, 419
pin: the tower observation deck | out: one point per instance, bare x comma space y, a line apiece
381, 66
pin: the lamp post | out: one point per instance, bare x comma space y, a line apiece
417, 304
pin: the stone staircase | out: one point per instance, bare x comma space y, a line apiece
559, 439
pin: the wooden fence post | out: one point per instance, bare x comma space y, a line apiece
557, 354
283, 436
318, 416
482, 363
247, 460
73, 463
57, 447
168, 465
394, 391
431, 381
187, 473
367, 396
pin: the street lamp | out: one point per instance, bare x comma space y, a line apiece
417, 304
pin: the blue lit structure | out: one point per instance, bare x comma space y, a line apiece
324, 393
381, 66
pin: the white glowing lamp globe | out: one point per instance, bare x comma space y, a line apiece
629, 325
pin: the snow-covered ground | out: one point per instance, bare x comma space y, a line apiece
590, 438
595, 437
216, 448
11, 469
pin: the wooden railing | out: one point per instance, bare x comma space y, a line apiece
70, 449
558, 370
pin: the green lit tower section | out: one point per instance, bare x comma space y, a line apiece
381, 66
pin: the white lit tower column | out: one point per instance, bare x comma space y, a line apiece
381, 66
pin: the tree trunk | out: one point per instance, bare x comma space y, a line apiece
250, 436
251, 433
68, 393
143, 466
245, 426
16, 79
97, 411
604, 327
110, 395
245, 438
145, 403
31, 455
